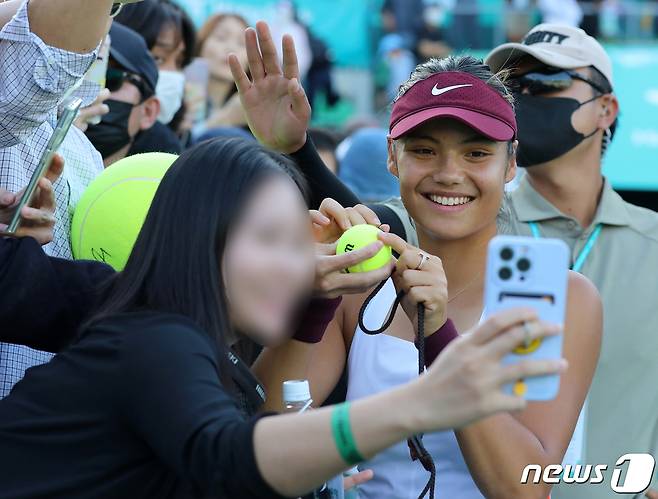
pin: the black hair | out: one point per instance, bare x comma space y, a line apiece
150, 17
175, 265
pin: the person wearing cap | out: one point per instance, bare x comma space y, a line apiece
132, 77
452, 142
567, 114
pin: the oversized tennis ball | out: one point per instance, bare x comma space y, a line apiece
112, 209
358, 237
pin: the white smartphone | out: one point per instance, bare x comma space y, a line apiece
533, 273
63, 125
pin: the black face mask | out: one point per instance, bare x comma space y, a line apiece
111, 134
545, 129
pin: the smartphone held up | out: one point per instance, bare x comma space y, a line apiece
63, 126
529, 273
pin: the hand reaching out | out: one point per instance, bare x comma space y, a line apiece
274, 102
38, 220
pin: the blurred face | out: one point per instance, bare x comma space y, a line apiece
227, 37
169, 50
268, 264
451, 178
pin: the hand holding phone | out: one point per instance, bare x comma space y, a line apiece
529, 273
63, 125
38, 218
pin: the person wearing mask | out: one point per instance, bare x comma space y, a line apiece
132, 77
567, 116
151, 402
170, 35
453, 153
220, 35
64, 51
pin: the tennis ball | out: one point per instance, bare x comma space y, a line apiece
358, 237
112, 209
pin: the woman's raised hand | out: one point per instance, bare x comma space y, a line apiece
274, 102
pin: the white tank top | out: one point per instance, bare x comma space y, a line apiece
378, 363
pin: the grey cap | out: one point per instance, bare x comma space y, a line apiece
555, 45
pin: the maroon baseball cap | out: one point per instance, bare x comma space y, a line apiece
457, 95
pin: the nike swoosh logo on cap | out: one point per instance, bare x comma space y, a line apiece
439, 91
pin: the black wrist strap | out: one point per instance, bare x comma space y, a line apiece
416, 448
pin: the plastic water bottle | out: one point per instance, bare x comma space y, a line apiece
297, 398
296, 395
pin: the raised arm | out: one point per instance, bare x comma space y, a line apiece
278, 114
497, 449
80, 24
463, 384
215, 451
45, 49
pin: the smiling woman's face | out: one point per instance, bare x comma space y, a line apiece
451, 178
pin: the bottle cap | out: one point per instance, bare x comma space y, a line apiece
297, 390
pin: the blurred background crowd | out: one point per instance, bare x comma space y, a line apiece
354, 53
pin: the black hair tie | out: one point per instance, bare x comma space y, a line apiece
416, 448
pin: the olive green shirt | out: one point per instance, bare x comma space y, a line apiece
622, 409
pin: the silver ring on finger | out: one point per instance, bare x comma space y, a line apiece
527, 334
423, 259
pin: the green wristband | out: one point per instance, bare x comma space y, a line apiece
342, 431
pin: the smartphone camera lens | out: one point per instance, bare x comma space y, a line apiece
523, 264
506, 254
505, 273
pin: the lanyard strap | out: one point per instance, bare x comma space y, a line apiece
417, 449
584, 253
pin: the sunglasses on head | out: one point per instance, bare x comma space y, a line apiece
115, 78
547, 80
115, 9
